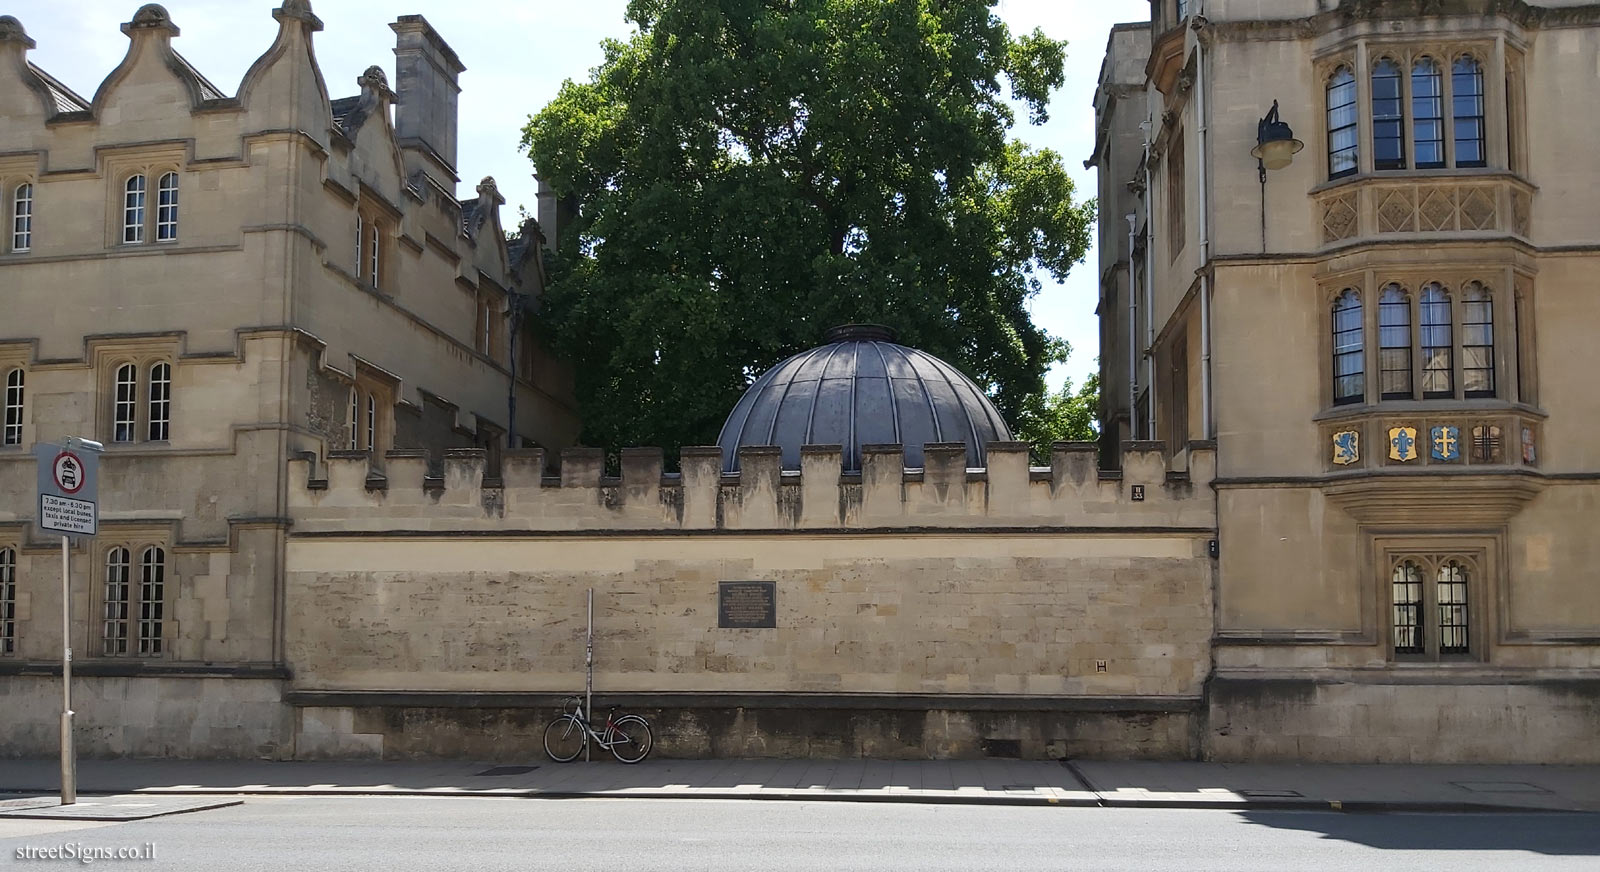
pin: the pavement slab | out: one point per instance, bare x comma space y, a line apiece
136, 807
1153, 784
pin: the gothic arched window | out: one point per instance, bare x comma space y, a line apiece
1394, 343
1427, 113
1477, 340
1466, 98
115, 600
1343, 128
1349, 359
1388, 117
1438, 351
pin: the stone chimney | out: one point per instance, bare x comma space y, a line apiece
426, 90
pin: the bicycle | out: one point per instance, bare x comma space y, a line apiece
628, 737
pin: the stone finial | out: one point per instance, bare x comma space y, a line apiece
374, 77
11, 31
151, 16
298, 10
489, 192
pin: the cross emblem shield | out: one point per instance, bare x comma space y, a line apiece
1446, 442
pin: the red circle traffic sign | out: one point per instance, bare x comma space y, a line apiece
67, 469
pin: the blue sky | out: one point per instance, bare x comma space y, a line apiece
518, 53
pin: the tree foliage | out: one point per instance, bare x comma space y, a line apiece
749, 173
1066, 415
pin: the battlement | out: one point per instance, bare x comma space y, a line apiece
352, 494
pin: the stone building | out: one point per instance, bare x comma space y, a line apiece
1342, 513
1385, 338
211, 284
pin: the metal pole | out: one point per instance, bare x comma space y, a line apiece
588, 665
69, 764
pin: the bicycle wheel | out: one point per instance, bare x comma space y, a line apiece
632, 738
564, 739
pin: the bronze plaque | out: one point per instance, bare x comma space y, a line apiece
745, 605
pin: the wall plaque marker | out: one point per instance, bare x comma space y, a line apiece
747, 605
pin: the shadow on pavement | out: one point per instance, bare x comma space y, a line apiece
1575, 834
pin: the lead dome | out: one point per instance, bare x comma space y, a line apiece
861, 388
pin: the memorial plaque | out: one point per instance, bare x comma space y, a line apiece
747, 605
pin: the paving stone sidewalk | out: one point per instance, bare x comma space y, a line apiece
1003, 782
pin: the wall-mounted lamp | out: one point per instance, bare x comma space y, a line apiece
1275, 149
1275, 143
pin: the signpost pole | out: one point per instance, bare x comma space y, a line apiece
68, 489
69, 761
588, 666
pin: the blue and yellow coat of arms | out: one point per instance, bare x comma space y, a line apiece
1403, 444
1346, 447
1446, 442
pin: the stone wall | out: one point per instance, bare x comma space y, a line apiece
1446, 717
938, 611
420, 726
225, 718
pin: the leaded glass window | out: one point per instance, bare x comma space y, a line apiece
167, 208
8, 601
126, 403
1477, 341
1406, 581
1388, 117
1466, 98
22, 218
1343, 128
14, 407
1394, 343
152, 600
1438, 353
1349, 359
116, 601
133, 210
1427, 113
372, 423
355, 419
1452, 600
160, 401
1429, 604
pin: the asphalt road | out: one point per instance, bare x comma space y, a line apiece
404, 833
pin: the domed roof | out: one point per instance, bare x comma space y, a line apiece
861, 389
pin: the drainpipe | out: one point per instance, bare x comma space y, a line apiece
1149, 294
1133, 324
1205, 234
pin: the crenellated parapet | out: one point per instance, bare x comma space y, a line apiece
348, 493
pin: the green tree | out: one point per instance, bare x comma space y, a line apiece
749, 173
1067, 415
